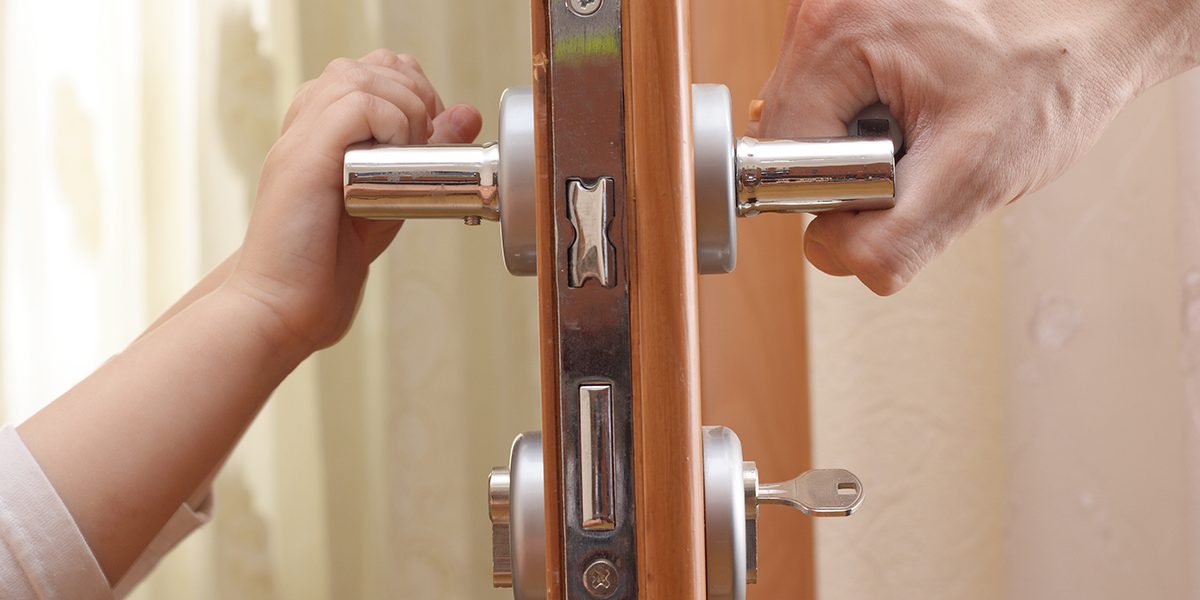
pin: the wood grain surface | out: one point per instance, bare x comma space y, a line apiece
668, 459
547, 295
752, 323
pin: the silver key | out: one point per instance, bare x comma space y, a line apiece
817, 493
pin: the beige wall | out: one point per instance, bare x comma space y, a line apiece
908, 392
1098, 415
1024, 416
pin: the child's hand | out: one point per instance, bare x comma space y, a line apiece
304, 259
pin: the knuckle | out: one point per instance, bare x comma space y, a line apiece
359, 78
408, 60
418, 105
841, 20
339, 65
382, 55
362, 101
408, 82
302, 92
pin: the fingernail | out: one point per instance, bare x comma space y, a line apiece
756, 110
461, 119
428, 127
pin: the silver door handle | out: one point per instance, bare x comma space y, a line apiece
734, 178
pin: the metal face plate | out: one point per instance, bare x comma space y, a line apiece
587, 136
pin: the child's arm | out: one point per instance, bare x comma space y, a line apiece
127, 446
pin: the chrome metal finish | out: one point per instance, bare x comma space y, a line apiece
750, 496
498, 513
600, 579
516, 506
751, 176
518, 228
733, 178
596, 462
817, 493
585, 82
732, 500
724, 515
716, 165
591, 254
492, 182
814, 176
423, 182
584, 8
732, 497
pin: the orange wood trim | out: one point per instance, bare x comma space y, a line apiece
752, 322
666, 401
547, 305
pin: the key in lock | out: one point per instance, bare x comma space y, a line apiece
733, 497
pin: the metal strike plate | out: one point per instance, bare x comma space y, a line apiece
597, 480
586, 164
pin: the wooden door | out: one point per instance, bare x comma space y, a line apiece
752, 322
653, 233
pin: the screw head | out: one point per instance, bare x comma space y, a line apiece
601, 578
584, 8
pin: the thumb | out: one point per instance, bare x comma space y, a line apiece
459, 124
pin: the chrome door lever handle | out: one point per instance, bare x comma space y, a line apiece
734, 178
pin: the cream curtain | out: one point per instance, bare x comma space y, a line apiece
137, 128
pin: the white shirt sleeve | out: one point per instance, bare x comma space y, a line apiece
43, 555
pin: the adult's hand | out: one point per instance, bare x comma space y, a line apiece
996, 98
